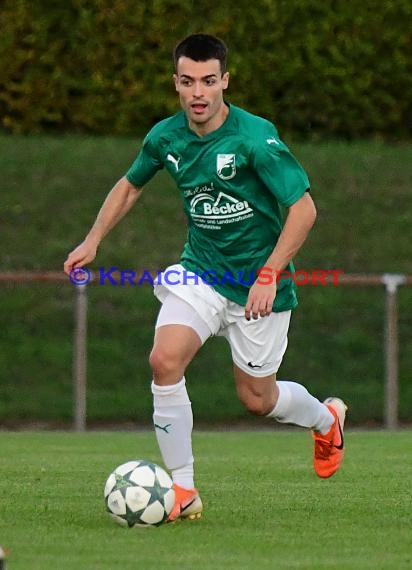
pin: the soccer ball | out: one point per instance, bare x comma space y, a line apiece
139, 493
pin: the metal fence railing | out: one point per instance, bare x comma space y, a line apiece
389, 281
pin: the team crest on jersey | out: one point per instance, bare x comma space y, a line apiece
226, 166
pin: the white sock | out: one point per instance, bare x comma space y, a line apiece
296, 406
173, 422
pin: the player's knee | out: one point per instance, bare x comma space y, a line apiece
165, 364
256, 408
254, 404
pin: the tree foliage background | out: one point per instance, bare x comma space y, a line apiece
317, 68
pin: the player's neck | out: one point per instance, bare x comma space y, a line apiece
214, 123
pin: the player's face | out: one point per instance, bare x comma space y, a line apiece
200, 85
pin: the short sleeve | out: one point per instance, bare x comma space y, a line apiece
146, 164
279, 170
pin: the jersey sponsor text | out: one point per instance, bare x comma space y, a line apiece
224, 210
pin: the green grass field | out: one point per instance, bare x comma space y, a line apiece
264, 506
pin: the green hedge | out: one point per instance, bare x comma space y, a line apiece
315, 67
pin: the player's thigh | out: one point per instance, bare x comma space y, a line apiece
174, 346
179, 334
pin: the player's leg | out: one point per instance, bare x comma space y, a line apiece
174, 347
290, 402
287, 402
257, 351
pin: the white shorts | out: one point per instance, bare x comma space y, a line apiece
257, 346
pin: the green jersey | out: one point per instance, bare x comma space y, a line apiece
234, 183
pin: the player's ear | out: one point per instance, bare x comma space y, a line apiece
225, 80
176, 81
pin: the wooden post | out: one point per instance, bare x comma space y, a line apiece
80, 358
391, 282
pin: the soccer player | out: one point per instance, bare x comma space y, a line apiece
235, 176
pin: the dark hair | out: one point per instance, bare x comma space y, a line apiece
202, 47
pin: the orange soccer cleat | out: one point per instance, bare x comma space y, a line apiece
329, 447
188, 504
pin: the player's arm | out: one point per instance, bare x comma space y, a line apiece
116, 205
299, 221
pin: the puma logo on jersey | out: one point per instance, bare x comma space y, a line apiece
272, 141
174, 161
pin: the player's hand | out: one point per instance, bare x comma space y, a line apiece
81, 256
260, 300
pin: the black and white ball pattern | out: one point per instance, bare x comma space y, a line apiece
139, 493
